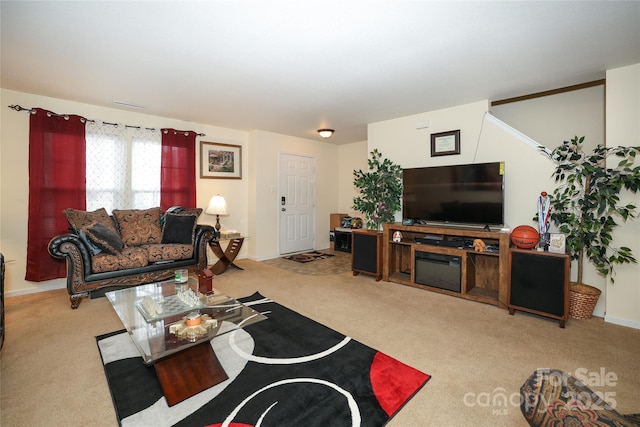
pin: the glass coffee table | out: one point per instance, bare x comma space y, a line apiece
172, 325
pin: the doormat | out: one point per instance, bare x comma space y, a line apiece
288, 370
308, 256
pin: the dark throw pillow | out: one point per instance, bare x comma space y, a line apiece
104, 238
179, 210
93, 248
178, 228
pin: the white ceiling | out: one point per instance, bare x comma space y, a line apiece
293, 67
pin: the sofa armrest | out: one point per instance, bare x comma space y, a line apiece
78, 257
203, 235
71, 247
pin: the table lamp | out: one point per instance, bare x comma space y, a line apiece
217, 206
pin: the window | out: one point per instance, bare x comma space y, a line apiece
123, 167
84, 164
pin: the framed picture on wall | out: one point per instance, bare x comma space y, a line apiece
220, 160
445, 143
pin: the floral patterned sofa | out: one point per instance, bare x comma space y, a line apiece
551, 397
129, 248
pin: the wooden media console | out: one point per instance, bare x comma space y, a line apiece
483, 276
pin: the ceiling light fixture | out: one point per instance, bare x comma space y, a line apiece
326, 133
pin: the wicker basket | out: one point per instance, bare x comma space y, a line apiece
582, 300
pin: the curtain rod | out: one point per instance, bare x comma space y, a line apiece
32, 111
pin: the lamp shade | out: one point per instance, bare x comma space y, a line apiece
217, 206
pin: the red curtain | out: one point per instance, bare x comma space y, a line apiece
178, 169
56, 182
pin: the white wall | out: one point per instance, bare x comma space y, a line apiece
402, 143
266, 148
551, 119
623, 128
351, 157
527, 172
14, 178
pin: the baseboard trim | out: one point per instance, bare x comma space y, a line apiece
622, 322
35, 290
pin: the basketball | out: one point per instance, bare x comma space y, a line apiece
525, 236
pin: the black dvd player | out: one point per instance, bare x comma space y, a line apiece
454, 243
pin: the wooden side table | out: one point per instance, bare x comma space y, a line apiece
225, 256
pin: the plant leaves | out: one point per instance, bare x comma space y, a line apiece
585, 201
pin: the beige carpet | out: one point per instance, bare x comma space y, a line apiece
51, 373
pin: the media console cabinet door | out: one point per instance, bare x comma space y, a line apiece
539, 283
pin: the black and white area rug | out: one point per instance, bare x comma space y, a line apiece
287, 370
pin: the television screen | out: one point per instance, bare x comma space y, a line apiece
458, 194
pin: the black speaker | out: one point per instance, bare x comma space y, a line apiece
366, 253
539, 283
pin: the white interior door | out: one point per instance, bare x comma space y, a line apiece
297, 203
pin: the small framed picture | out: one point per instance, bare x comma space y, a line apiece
557, 243
220, 160
445, 143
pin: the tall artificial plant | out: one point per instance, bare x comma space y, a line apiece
586, 204
380, 190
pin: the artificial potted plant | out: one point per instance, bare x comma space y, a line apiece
586, 206
380, 191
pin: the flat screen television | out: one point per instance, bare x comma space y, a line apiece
470, 194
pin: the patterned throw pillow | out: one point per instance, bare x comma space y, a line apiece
105, 238
178, 228
81, 219
139, 226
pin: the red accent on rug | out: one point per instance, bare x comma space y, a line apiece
231, 425
394, 383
